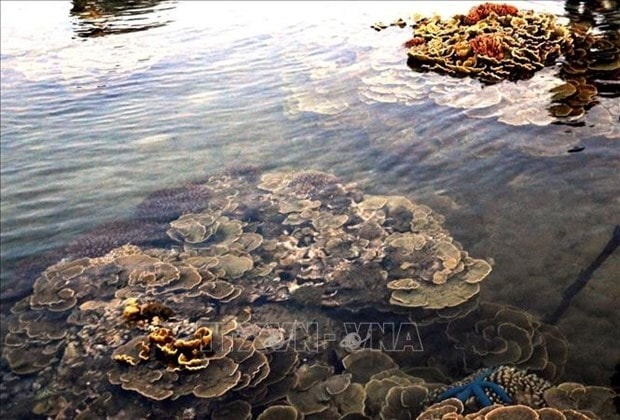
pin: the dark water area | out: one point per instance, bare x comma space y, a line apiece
114, 114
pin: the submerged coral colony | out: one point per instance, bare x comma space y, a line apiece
201, 326
496, 42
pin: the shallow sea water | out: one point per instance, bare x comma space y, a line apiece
97, 113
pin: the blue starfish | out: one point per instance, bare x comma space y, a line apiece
476, 388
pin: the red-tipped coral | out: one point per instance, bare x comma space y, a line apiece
482, 11
414, 42
489, 45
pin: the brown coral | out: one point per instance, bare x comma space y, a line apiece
452, 409
318, 390
495, 335
591, 400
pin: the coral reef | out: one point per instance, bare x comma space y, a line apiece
86, 311
328, 245
496, 335
452, 409
146, 311
493, 42
594, 401
106, 237
540, 104
371, 386
171, 323
319, 390
170, 203
532, 397
590, 69
197, 329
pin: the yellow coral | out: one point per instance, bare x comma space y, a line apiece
132, 310
161, 335
125, 359
145, 350
205, 335
168, 348
192, 363
187, 344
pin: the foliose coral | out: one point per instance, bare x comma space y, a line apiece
169, 323
195, 329
493, 42
592, 401
124, 320
327, 244
452, 409
590, 69
495, 335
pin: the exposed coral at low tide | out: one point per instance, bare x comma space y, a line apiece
493, 42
